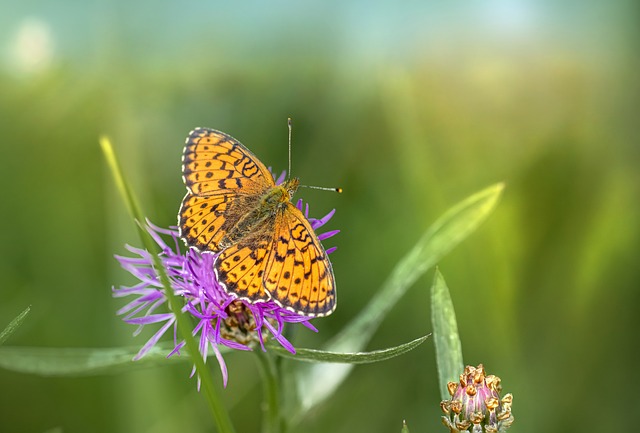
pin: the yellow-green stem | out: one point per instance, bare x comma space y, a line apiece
220, 415
271, 421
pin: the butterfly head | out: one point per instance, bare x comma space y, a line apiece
290, 186
279, 194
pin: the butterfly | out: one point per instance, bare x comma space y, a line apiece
267, 248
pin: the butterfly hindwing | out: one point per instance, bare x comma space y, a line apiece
214, 222
201, 219
241, 267
298, 274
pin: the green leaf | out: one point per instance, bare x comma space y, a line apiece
445, 333
78, 362
49, 361
123, 187
15, 324
322, 378
448, 231
312, 355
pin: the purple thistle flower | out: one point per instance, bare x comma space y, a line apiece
221, 318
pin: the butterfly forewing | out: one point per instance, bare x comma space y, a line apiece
222, 177
214, 162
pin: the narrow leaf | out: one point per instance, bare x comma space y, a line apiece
322, 378
445, 333
15, 324
76, 362
125, 191
312, 355
448, 231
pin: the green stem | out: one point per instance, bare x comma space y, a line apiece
272, 422
220, 415
281, 385
185, 327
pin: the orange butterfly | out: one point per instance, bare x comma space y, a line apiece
268, 249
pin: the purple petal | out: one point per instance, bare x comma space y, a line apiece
322, 221
153, 340
176, 349
310, 326
157, 229
154, 318
283, 341
223, 365
327, 235
282, 177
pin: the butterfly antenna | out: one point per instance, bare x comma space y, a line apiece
289, 125
323, 188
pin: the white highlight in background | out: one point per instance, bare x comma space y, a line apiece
31, 49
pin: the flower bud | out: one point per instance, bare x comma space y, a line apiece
475, 403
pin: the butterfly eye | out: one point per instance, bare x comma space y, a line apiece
292, 186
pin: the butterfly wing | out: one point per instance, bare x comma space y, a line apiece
205, 222
298, 274
240, 268
214, 162
224, 180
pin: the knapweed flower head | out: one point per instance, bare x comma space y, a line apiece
475, 403
223, 320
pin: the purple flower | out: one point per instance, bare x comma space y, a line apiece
221, 318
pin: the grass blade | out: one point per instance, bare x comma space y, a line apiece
448, 231
313, 355
78, 362
14, 325
445, 333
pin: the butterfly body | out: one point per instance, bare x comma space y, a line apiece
267, 249
252, 216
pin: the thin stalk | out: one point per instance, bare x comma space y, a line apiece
220, 415
271, 421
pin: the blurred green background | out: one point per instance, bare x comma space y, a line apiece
410, 107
